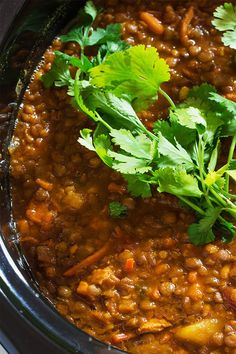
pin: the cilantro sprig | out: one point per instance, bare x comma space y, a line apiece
181, 156
225, 21
117, 210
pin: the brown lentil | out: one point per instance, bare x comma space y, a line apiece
62, 209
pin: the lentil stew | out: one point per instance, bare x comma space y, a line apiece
135, 282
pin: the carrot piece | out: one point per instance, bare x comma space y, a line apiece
82, 288
86, 262
23, 226
39, 213
129, 265
184, 26
44, 184
120, 337
152, 22
34, 216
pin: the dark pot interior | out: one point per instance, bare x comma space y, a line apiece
28, 322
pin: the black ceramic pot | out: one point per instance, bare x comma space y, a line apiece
28, 322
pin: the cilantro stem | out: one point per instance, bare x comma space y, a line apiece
232, 205
103, 122
167, 97
230, 156
192, 205
229, 195
217, 197
150, 134
201, 163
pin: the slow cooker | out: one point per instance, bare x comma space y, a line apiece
28, 322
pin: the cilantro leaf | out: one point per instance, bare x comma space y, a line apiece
100, 36
139, 146
201, 233
224, 105
102, 145
128, 164
232, 164
214, 157
137, 186
79, 101
59, 75
173, 131
229, 129
229, 39
90, 10
117, 111
172, 155
177, 182
108, 48
87, 37
232, 174
134, 74
86, 139
202, 92
225, 21
201, 113
117, 210
77, 35
227, 111
82, 63
188, 116
229, 231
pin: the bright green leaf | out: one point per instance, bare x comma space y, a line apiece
177, 182
225, 21
214, 157
117, 210
172, 155
128, 164
86, 139
232, 174
138, 146
135, 73
201, 233
118, 113
59, 75
138, 187
102, 144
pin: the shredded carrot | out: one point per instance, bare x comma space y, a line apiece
152, 22
44, 184
184, 28
129, 265
95, 257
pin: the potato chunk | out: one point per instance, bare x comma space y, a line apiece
200, 332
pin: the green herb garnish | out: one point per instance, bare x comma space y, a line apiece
225, 21
182, 154
117, 210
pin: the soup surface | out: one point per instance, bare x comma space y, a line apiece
143, 287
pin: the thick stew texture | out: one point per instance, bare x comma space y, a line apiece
135, 282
